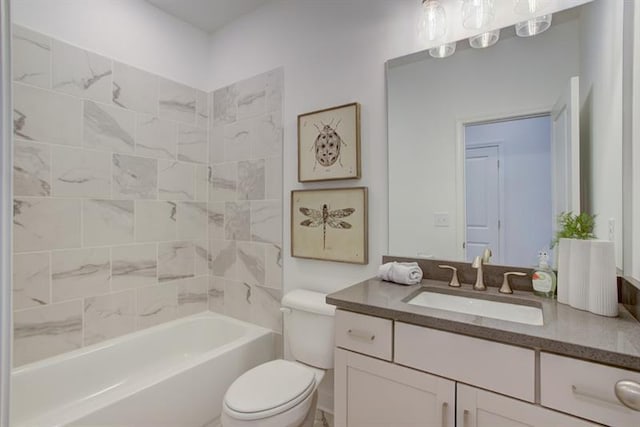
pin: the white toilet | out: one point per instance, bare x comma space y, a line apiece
282, 393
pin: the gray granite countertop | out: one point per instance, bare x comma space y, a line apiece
566, 331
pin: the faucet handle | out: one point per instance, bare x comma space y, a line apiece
486, 256
506, 288
454, 283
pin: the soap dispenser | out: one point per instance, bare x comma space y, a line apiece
544, 279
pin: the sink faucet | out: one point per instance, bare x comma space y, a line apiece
479, 285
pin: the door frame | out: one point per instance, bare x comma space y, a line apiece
461, 196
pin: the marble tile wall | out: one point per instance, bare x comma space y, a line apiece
111, 215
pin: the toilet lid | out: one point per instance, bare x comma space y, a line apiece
271, 387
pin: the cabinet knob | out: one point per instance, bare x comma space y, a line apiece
628, 393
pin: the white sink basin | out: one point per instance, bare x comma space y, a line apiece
480, 307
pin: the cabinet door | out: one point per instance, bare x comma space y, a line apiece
373, 393
479, 408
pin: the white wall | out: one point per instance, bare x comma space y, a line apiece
131, 31
634, 269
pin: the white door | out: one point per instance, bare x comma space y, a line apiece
565, 152
482, 201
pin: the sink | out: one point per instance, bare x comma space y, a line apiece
512, 312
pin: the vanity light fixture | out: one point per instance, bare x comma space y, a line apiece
533, 26
443, 51
483, 40
433, 21
530, 7
477, 14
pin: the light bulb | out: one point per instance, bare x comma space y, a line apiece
533, 26
483, 40
443, 51
433, 25
477, 14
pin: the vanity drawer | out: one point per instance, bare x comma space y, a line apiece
365, 334
486, 364
585, 389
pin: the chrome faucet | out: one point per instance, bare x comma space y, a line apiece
479, 285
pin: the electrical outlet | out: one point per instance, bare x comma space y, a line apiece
612, 229
441, 219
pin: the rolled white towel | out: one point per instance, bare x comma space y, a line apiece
403, 273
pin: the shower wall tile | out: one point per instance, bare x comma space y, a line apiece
31, 58
81, 73
237, 221
45, 116
273, 266
109, 316
250, 263
252, 96
266, 221
223, 181
80, 173
46, 331
134, 177
251, 180
216, 145
265, 308
216, 220
31, 280
133, 266
156, 304
239, 137
31, 169
204, 262
108, 128
156, 138
268, 137
107, 222
202, 183
155, 221
176, 101
202, 109
216, 294
176, 260
275, 90
177, 180
192, 144
193, 296
134, 89
223, 258
43, 224
273, 178
225, 109
193, 219
80, 273
238, 300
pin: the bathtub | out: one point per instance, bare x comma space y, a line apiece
174, 374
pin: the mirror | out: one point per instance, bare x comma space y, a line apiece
480, 143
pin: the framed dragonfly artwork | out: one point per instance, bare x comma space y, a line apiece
330, 224
329, 144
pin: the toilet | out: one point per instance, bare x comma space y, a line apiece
283, 393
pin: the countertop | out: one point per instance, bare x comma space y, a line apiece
566, 331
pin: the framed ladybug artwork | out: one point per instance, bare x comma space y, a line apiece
329, 144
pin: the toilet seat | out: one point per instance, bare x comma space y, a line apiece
254, 395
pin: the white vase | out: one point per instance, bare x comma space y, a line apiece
564, 249
579, 260
603, 287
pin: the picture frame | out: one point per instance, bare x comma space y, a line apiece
330, 224
329, 144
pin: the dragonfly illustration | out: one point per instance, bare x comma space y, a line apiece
326, 217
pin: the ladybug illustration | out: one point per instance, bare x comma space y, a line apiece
327, 145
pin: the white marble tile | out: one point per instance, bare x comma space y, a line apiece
156, 138
273, 178
273, 266
265, 308
202, 109
176, 101
237, 300
134, 89
133, 266
31, 280
202, 183
155, 221
80, 173
134, 177
216, 220
251, 263
204, 262
224, 106
41, 224
156, 304
323, 419
177, 180
45, 331
223, 181
192, 296
237, 221
31, 57
252, 96
31, 169
275, 90
266, 221
268, 136
45, 116
239, 138
176, 261
216, 294
81, 73
223, 258
109, 316
107, 222
192, 220
108, 128
216, 145
251, 180
80, 273
192, 144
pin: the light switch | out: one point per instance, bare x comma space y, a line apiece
441, 219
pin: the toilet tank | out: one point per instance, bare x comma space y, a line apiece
308, 327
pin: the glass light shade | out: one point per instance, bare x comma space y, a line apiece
483, 40
443, 51
533, 26
433, 22
477, 14
530, 7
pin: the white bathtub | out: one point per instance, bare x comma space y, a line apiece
173, 374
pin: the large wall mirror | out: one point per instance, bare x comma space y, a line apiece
488, 146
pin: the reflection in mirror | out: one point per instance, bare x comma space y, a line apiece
488, 146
